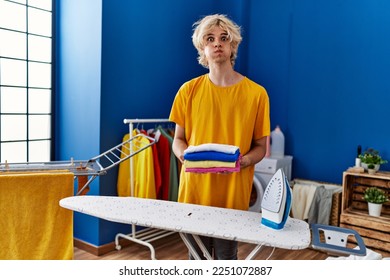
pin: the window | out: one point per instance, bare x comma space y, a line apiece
25, 80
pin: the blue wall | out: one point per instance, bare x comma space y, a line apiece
147, 55
325, 66
323, 63
78, 82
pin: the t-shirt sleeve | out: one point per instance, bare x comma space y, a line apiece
179, 105
262, 125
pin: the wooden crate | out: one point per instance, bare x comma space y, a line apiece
334, 219
354, 186
375, 231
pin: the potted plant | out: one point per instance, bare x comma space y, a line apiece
371, 156
371, 168
375, 198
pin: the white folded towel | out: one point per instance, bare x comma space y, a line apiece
371, 255
223, 148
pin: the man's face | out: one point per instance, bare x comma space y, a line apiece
217, 48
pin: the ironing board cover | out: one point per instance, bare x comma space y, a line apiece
243, 226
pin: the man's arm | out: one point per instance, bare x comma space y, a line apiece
255, 154
179, 143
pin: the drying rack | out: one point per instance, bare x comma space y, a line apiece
85, 170
146, 235
88, 170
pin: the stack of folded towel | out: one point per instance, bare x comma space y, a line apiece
212, 158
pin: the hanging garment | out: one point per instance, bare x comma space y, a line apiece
173, 179
156, 165
303, 195
321, 206
143, 170
163, 155
157, 170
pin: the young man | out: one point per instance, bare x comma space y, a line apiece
222, 107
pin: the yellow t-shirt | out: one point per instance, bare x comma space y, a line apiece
232, 115
143, 169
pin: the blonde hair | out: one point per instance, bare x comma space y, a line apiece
203, 26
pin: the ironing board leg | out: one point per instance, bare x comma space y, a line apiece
192, 249
189, 246
254, 252
202, 247
196, 256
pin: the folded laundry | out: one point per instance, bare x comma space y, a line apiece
208, 163
212, 155
223, 148
212, 158
215, 169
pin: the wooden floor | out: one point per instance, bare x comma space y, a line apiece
173, 248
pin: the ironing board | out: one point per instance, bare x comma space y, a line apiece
243, 226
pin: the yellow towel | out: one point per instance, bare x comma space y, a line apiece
32, 224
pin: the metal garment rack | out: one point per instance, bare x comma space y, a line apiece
147, 235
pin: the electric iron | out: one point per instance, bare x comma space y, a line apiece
276, 202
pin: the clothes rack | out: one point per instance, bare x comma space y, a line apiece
146, 235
